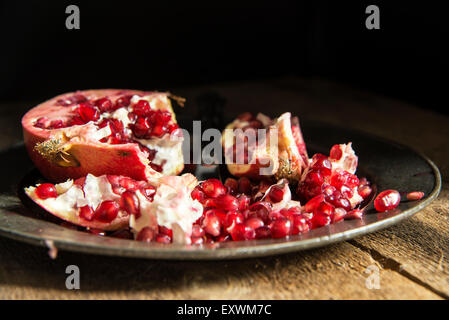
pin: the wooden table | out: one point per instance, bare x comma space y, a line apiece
412, 257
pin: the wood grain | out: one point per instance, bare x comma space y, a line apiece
412, 257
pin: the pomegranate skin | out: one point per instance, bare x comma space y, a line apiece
93, 157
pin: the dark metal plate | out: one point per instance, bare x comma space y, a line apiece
388, 164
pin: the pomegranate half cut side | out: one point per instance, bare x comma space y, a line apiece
118, 132
281, 152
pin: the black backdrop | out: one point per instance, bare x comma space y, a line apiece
160, 45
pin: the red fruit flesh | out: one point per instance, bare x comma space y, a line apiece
213, 188
67, 135
387, 200
415, 195
107, 211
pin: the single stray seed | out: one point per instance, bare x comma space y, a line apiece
415, 195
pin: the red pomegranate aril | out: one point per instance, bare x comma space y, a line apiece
339, 214
87, 112
232, 184
387, 200
106, 211
227, 202
415, 195
313, 203
263, 233
56, 124
141, 108
103, 104
87, 213
197, 231
158, 130
281, 228
197, 194
212, 224
166, 231
242, 232
244, 185
336, 153
123, 101
141, 127
147, 234
46, 190
213, 188
148, 192
197, 240
354, 214
325, 209
300, 225
129, 202
321, 220
365, 191
233, 218
276, 194
244, 202
254, 223
163, 238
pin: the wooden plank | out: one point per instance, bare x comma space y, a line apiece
336, 272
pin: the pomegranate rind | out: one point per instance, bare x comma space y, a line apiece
91, 156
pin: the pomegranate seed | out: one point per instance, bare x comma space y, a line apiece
336, 153
213, 188
46, 190
56, 124
106, 211
103, 104
197, 194
365, 191
141, 127
354, 214
233, 218
227, 202
415, 195
147, 234
148, 192
123, 101
242, 232
87, 112
130, 203
244, 202
281, 228
276, 194
313, 203
387, 200
263, 233
321, 220
163, 238
197, 240
141, 108
232, 184
211, 224
197, 231
300, 225
158, 130
254, 223
339, 214
166, 231
86, 213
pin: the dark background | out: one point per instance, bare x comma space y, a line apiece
161, 45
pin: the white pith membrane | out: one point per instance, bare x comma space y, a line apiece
168, 147
279, 148
172, 206
348, 162
286, 202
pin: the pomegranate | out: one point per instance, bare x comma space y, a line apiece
387, 200
117, 132
280, 152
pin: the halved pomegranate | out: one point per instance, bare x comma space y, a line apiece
112, 202
118, 132
279, 152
